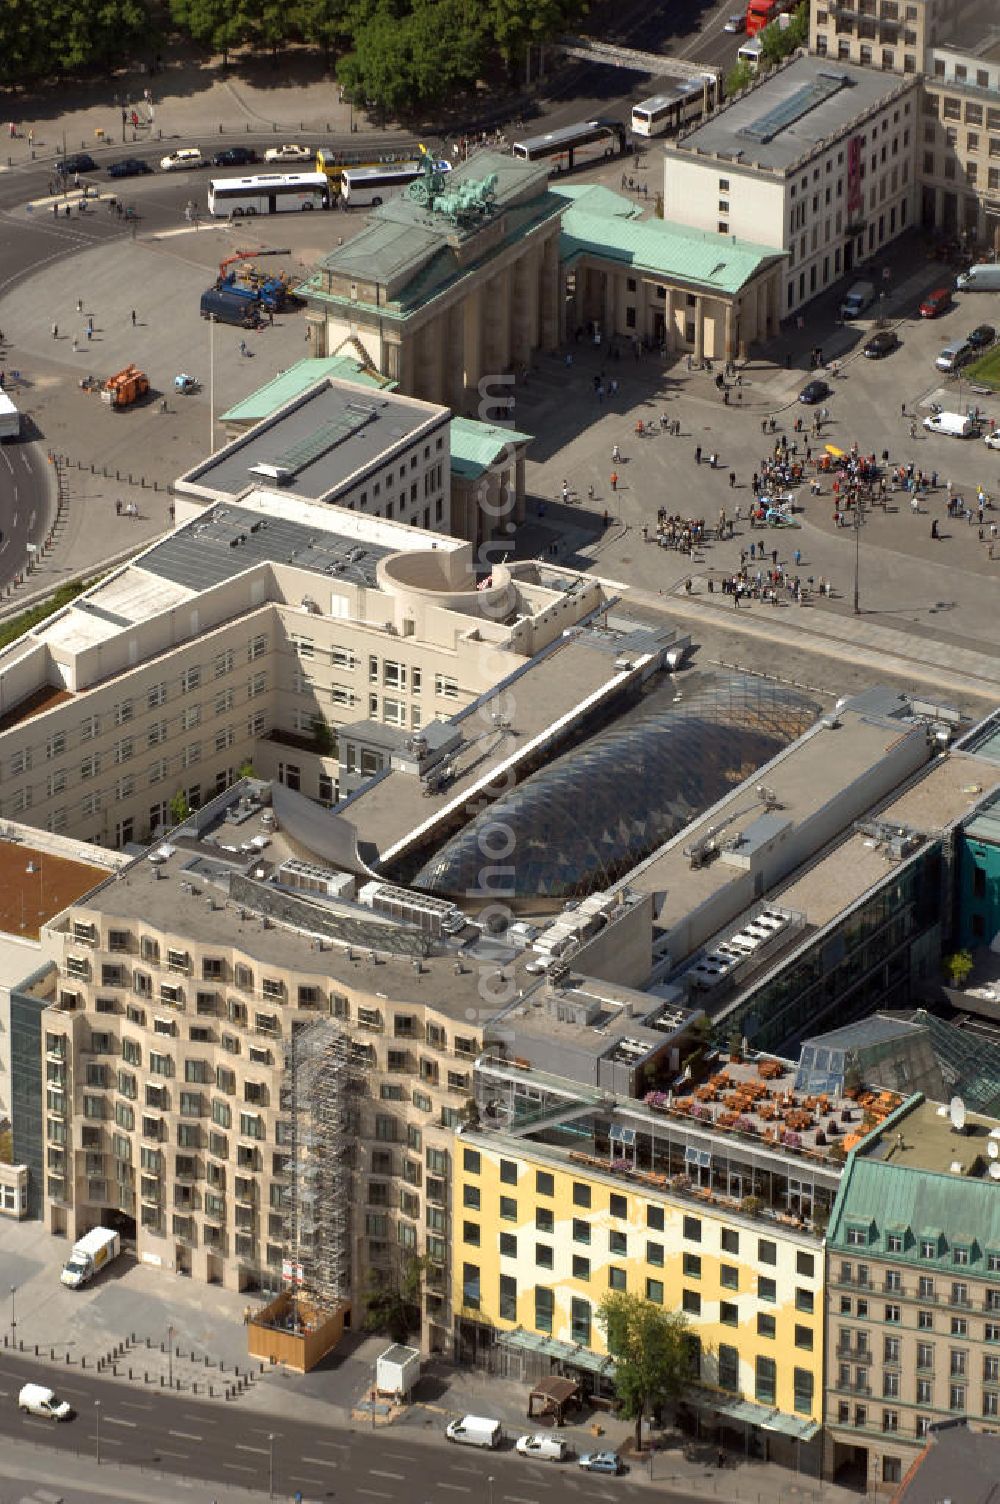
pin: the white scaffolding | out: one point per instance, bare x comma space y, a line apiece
321, 1073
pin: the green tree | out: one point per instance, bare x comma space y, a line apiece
779, 42
651, 1350
958, 967
739, 77
392, 1305
219, 25
514, 25
179, 808
64, 36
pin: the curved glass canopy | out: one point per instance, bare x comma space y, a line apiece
589, 817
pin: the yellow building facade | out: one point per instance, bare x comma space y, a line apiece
539, 1240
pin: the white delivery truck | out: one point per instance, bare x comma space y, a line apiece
983, 277
475, 1431
953, 425
10, 418
397, 1370
857, 299
93, 1252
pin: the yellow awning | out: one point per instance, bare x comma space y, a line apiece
838, 454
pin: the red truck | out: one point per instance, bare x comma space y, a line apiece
761, 13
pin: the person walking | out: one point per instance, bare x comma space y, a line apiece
614, 480
697, 452
732, 480
132, 316
55, 331
79, 305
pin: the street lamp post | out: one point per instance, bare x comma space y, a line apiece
97, 1416
270, 1466
170, 1357
858, 524
489, 1484
13, 1318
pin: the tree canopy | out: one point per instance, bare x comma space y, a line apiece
45, 38
651, 1349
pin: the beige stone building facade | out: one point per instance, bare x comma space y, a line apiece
955, 48
167, 1091
251, 635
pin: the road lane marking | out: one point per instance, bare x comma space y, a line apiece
114, 1420
241, 1447
162, 1452
456, 1488
236, 1468
372, 1493
378, 1473
186, 1435
132, 1405
321, 1461
207, 1420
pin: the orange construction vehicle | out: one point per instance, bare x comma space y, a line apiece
125, 387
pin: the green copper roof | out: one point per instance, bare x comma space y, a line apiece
603, 224
476, 446
883, 1198
305, 373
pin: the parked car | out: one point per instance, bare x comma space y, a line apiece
544, 1448
992, 440
814, 391
288, 153
185, 156
881, 344
36, 1399
981, 336
81, 161
935, 303
235, 156
954, 356
735, 24
602, 1462
128, 167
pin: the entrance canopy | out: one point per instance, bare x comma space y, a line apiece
569, 1353
747, 1413
553, 1396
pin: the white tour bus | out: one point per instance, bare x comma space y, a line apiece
666, 113
572, 145
367, 187
268, 193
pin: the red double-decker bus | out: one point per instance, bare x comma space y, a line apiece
761, 13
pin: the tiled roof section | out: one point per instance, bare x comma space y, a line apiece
476, 446
594, 225
948, 1210
302, 375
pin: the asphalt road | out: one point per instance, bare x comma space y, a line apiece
224, 1445
24, 504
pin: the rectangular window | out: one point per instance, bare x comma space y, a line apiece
580, 1318
692, 1229
765, 1381
544, 1309
508, 1297
654, 1291
544, 1183
691, 1302
581, 1194
543, 1256
581, 1267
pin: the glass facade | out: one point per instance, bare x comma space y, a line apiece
586, 819
862, 964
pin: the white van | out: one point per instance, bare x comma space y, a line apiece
751, 52
475, 1431
545, 1448
954, 425
35, 1399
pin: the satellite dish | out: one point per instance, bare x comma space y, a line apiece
956, 1111
993, 1148
995, 1170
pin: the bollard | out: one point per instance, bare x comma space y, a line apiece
194, 1388
52, 1352
211, 1391
36, 1349
130, 1373
162, 1381
147, 1342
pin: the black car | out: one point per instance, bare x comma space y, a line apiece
129, 167
82, 161
235, 156
814, 392
981, 336
881, 344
